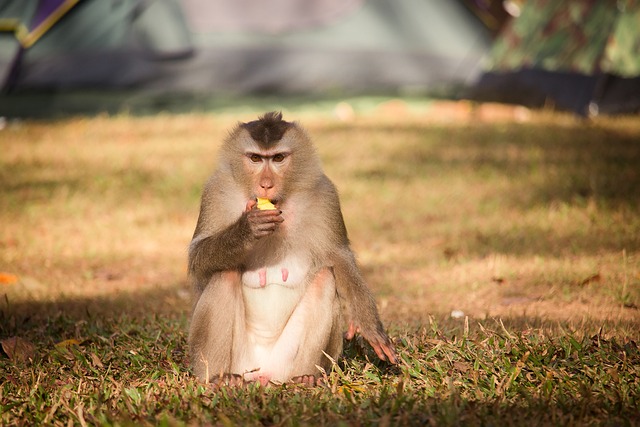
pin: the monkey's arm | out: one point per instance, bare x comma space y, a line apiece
220, 251
361, 311
214, 251
358, 302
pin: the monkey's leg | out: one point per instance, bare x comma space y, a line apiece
310, 330
217, 313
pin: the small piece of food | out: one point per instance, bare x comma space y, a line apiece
265, 204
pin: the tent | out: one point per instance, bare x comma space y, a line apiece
577, 55
74, 43
240, 46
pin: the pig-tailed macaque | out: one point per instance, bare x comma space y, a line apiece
275, 287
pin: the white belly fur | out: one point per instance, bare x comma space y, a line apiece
270, 295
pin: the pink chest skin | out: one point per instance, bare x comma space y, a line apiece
289, 273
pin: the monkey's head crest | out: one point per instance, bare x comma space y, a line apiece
268, 129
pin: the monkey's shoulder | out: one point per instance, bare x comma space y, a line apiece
332, 205
321, 217
325, 185
324, 196
222, 198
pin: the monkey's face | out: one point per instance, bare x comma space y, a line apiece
266, 169
273, 167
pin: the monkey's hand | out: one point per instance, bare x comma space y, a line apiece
378, 340
262, 222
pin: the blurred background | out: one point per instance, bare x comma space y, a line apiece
62, 57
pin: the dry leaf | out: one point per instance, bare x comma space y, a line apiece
67, 343
593, 278
461, 366
18, 349
8, 278
95, 361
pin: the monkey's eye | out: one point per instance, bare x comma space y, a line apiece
255, 158
278, 157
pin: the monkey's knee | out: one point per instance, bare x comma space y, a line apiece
324, 274
323, 283
230, 277
223, 281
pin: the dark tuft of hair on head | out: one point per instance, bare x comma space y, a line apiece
268, 129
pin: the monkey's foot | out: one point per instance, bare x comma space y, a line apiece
308, 380
227, 380
379, 341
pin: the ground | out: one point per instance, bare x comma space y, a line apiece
502, 245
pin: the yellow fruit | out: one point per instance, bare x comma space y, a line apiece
265, 204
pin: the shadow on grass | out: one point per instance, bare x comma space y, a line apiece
151, 310
140, 338
545, 162
25, 184
53, 321
510, 167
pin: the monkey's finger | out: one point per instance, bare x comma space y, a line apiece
267, 226
271, 218
258, 234
258, 216
250, 204
262, 233
390, 352
261, 223
264, 216
351, 331
379, 351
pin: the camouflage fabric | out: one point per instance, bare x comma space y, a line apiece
585, 36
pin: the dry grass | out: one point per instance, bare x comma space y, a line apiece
534, 222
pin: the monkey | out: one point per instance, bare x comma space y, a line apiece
274, 290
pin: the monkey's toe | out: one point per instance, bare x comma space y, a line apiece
227, 380
308, 380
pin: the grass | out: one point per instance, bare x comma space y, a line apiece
530, 228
